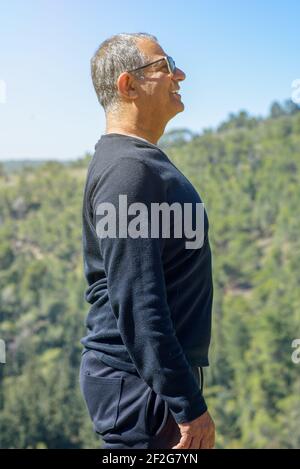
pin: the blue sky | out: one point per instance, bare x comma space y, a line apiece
237, 54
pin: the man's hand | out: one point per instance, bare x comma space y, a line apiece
197, 434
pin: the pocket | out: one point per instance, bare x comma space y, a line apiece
156, 414
102, 398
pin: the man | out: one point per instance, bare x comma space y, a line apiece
150, 317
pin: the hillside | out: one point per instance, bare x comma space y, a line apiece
248, 174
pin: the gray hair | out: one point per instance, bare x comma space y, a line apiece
114, 56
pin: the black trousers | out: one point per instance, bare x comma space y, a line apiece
125, 411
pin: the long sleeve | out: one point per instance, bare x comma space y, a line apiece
137, 290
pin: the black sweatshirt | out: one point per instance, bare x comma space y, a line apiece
151, 297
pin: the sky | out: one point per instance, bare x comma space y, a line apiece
237, 55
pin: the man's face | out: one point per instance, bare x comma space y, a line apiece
156, 91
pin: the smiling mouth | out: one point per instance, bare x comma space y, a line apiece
176, 93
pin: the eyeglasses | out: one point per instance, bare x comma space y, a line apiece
170, 63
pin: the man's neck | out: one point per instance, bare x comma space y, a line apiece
133, 129
133, 133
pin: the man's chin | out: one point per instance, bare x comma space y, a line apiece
175, 109
179, 108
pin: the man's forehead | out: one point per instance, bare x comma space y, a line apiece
151, 48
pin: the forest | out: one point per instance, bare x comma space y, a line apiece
247, 172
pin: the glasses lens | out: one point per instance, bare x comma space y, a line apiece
171, 64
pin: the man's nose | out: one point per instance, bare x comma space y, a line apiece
179, 74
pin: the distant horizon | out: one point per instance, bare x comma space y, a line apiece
236, 56
200, 132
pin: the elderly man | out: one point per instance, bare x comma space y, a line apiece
149, 324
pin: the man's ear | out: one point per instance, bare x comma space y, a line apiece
126, 85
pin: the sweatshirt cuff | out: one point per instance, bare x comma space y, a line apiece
190, 409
